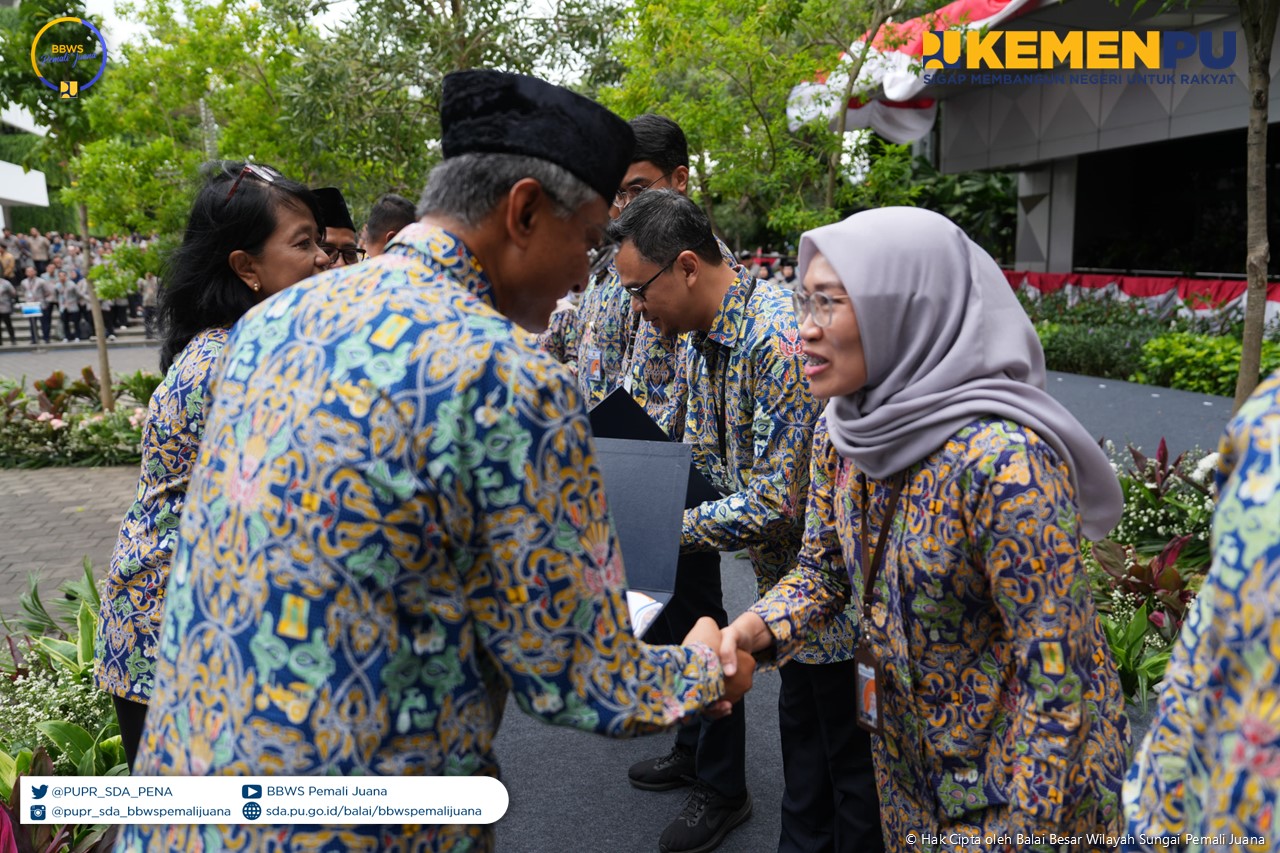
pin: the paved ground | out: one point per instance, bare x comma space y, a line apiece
53, 519
71, 359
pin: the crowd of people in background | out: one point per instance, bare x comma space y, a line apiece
53, 273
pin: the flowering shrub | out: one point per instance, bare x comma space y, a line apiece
55, 720
1146, 575
1165, 498
62, 423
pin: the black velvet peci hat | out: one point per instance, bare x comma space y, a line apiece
333, 207
494, 112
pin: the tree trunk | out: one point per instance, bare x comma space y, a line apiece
881, 14
1258, 21
99, 328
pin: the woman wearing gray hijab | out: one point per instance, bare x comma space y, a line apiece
948, 496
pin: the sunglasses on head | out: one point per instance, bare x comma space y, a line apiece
262, 173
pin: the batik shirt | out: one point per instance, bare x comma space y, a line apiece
1208, 773
1001, 705
750, 426
397, 518
133, 598
560, 340
616, 348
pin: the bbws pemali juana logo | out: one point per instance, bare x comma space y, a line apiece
1158, 51
62, 48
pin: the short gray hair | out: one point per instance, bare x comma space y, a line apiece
468, 187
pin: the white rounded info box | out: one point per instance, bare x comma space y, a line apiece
322, 800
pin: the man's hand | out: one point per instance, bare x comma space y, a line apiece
737, 685
704, 631
738, 679
745, 635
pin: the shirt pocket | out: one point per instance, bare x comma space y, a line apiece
962, 786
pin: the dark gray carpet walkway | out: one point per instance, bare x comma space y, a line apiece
569, 790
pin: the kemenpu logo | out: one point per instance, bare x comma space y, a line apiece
1093, 50
62, 51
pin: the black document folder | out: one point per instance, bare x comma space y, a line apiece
620, 416
643, 484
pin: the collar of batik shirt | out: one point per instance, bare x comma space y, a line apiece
444, 251
730, 320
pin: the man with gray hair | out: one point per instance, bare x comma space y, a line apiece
398, 518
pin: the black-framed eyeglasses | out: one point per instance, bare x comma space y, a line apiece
637, 291
628, 194
349, 256
599, 258
262, 173
820, 306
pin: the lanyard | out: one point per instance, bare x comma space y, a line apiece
871, 568
629, 353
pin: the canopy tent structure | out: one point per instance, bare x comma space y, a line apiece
887, 93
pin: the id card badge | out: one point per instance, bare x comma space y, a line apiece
867, 683
626, 382
595, 365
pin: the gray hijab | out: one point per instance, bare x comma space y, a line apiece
945, 342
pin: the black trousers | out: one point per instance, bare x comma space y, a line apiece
829, 801
7, 320
132, 716
720, 746
46, 321
70, 325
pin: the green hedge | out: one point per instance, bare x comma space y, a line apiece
1109, 352
1200, 363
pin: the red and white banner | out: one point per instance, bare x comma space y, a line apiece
885, 93
1186, 296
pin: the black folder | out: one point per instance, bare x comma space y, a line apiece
643, 484
619, 416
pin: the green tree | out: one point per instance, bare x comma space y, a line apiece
355, 106
724, 71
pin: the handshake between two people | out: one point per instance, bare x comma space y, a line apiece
735, 645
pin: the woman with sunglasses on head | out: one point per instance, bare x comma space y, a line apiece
251, 233
948, 495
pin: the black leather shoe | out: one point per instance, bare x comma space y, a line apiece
673, 770
705, 821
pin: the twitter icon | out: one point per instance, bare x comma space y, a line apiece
38, 791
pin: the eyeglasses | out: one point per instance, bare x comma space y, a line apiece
637, 291
628, 194
820, 306
349, 256
262, 173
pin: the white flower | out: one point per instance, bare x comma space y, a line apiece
1206, 466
